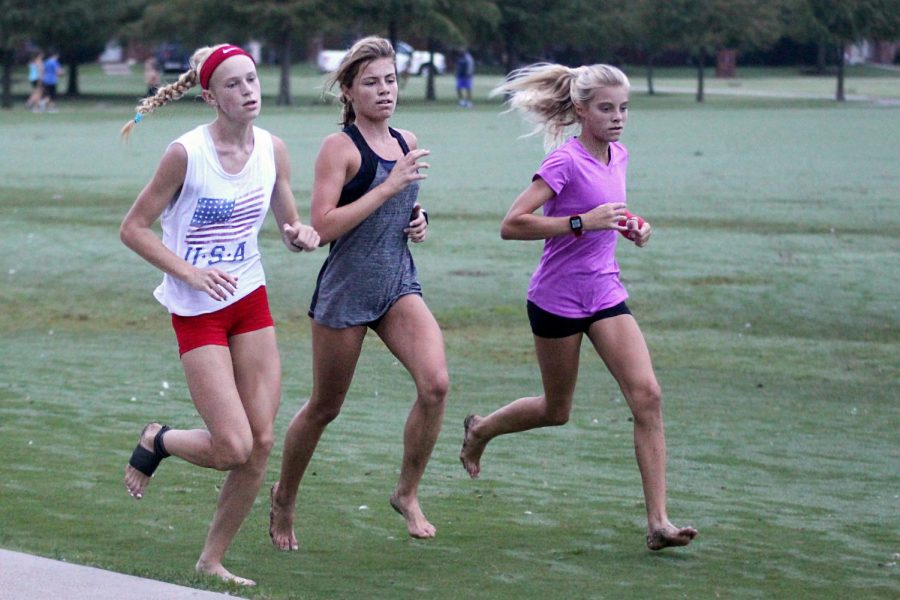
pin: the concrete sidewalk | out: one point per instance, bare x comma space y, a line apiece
27, 577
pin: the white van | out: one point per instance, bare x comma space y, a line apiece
418, 62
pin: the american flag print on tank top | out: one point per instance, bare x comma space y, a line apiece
222, 220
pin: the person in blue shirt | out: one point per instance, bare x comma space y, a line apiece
50, 78
465, 71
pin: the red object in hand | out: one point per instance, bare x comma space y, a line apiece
631, 234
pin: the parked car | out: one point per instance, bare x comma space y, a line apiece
418, 62
173, 58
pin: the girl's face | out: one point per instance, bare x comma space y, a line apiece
374, 90
234, 88
603, 116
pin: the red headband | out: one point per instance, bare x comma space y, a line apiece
213, 61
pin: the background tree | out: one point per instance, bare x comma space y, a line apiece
588, 31
442, 25
78, 30
701, 27
643, 30
849, 21
286, 25
526, 27
15, 22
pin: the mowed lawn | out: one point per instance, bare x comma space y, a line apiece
769, 295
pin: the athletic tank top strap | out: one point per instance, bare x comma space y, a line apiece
359, 185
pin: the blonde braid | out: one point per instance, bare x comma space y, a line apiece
171, 92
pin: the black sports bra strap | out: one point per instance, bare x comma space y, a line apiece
360, 182
399, 137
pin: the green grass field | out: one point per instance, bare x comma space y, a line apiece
770, 297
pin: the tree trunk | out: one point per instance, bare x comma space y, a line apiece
650, 89
72, 87
430, 94
7, 55
840, 74
392, 32
701, 63
512, 57
284, 62
821, 55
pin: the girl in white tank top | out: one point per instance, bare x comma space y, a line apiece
211, 192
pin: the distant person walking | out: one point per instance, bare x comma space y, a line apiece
35, 77
465, 73
365, 203
151, 76
575, 290
211, 193
49, 81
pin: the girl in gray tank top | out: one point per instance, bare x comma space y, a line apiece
364, 203
369, 267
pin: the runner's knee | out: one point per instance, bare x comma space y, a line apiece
433, 390
232, 452
646, 401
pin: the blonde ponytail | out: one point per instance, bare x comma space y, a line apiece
545, 95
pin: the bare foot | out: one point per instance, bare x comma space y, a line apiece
670, 535
281, 524
416, 523
470, 455
223, 574
135, 481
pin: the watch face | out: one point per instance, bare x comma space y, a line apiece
575, 223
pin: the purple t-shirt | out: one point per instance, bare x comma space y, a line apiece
579, 275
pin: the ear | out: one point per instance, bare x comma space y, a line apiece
579, 110
209, 98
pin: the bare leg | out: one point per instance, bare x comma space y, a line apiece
619, 342
257, 371
558, 360
335, 353
227, 442
236, 392
410, 331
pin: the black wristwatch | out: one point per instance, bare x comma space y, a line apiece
576, 225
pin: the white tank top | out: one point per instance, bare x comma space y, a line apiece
215, 220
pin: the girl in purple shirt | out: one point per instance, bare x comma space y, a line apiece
576, 289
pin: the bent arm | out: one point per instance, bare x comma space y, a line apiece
337, 163
520, 222
135, 231
295, 235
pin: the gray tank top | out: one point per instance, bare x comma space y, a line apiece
370, 267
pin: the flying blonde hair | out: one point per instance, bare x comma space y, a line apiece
172, 91
546, 94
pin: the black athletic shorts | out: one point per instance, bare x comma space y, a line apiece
547, 325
